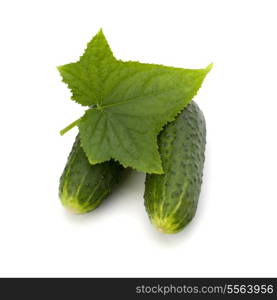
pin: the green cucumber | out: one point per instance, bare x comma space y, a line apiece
171, 198
84, 186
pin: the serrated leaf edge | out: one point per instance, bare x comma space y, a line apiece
157, 131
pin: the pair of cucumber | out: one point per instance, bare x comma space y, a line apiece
170, 199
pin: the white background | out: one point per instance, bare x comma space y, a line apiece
234, 231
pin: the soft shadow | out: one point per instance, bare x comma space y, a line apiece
172, 240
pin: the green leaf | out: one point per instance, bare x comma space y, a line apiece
129, 103
86, 77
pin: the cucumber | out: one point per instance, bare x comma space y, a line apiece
84, 186
171, 198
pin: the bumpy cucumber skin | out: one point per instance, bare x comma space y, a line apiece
84, 186
171, 199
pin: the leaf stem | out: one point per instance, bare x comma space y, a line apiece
70, 126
